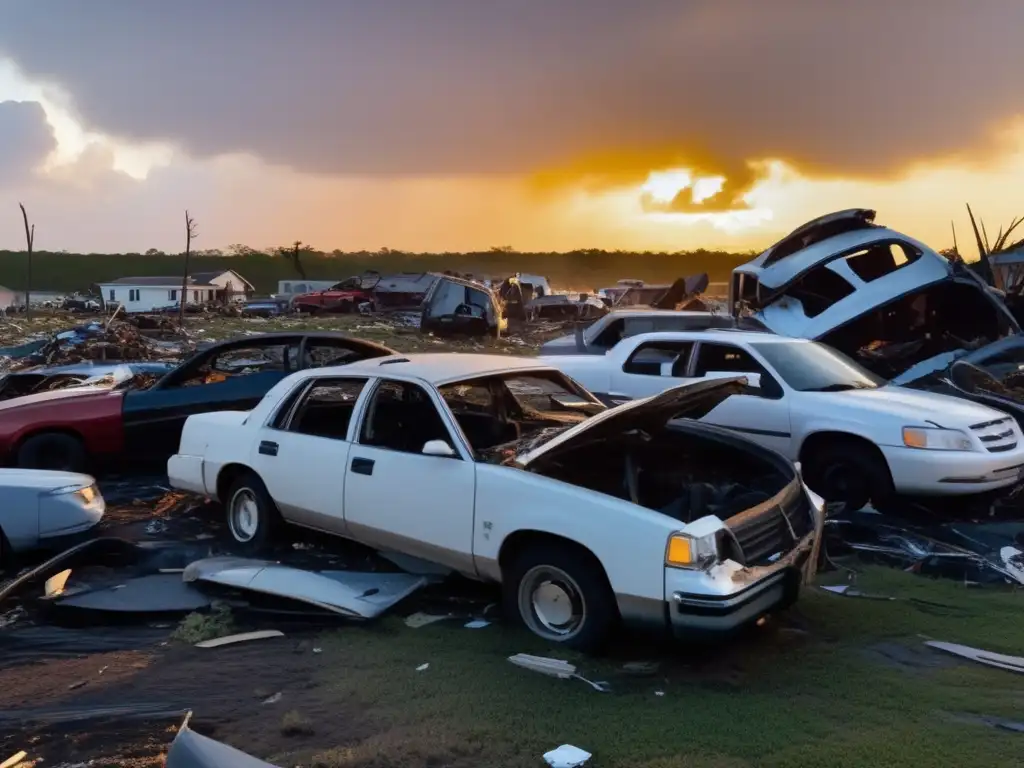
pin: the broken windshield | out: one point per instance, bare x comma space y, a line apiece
812, 367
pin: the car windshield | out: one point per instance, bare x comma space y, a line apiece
812, 367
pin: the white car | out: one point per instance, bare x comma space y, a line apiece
44, 509
857, 439
490, 465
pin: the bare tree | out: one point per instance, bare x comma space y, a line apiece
292, 254
190, 234
30, 238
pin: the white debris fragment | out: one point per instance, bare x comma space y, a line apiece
14, 759
417, 620
566, 756
422, 667
544, 665
477, 624
273, 699
839, 590
240, 638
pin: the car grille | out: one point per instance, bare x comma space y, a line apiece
997, 436
772, 528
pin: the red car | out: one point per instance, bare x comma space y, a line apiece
346, 296
79, 429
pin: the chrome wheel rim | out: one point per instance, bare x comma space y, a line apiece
551, 603
244, 515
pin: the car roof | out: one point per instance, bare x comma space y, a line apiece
435, 368
724, 335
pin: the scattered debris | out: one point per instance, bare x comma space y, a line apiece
477, 624
553, 667
192, 750
55, 584
240, 638
199, 627
349, 593
417, 620
274, 698
566, 756
14, 759
998, 660
294, 723
423, 667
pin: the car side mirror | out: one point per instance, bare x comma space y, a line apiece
437, 448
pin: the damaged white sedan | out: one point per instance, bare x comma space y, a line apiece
507, 471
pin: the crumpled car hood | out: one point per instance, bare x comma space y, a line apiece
690, 401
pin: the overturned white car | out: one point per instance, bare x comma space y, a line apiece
889, 301
857, 438
505, 470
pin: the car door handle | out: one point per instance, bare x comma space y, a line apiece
268, 448
362, 466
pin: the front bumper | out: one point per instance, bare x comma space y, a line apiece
952, 473
729, 596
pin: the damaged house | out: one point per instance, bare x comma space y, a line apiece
892, 303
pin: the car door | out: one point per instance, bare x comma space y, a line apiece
235, 378
649, 368
302, 451
397, 497
762, 415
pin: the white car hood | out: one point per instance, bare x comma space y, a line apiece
910, 407
44, 479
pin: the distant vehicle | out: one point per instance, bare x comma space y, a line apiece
345, 296
489, 465
856, 439
73, 429
45, 510
265, 307
455, 306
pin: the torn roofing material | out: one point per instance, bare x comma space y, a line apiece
359, 595
193, 750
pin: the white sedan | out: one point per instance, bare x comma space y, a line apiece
505, 470
44, 509
856, 438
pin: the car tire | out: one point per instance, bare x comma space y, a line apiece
53, 450
251, 515
848, 471
561, 593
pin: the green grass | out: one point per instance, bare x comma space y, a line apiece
807, 690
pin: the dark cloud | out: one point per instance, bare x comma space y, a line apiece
462, 86
25, 140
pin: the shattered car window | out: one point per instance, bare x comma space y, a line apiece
648, 359
546, 394
819, 289
326, 410
402, 417
813, 367
239, 361
725, 357
473, 397
323, 355
880, 259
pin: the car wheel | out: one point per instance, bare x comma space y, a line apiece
252, 516
53, 450
848, 472
562, 595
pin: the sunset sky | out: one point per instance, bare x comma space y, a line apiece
431, 125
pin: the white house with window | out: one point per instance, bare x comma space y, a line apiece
148, 294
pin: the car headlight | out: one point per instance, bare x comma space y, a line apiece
936, 439
693, 552
87, 494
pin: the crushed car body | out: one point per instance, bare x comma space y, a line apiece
490, 466
456, 306
877, 295
73, 429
